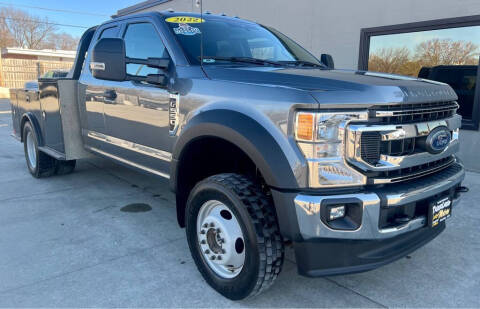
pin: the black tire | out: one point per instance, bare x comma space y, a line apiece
65, 167
45, 165
264, 250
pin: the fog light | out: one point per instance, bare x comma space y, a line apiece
336, 212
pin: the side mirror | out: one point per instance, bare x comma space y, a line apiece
108, 59
327, 60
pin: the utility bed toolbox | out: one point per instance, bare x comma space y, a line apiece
53, 111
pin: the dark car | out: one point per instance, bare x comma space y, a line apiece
462, 78
55, 74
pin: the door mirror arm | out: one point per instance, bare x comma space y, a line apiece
154, 79
157, 79
157, 63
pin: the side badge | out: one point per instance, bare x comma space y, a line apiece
173, 111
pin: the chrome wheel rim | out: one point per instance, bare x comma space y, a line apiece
220, 239
31, 151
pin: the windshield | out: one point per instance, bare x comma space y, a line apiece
225, 38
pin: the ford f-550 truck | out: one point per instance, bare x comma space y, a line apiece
263, 144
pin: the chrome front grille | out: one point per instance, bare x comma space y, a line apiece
395, 152
373, 147
371, 144
412, 113
412, 172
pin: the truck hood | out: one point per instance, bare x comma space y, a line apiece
339, 86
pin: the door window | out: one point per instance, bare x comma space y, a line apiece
142, 41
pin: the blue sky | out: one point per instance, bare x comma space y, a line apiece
102, 7
410, 40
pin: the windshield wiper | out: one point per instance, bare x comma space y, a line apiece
302, 63
244, 60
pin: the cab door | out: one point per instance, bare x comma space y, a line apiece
92, 109
136, 113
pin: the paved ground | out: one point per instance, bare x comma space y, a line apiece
68, 242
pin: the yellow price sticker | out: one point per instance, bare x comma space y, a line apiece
184, 20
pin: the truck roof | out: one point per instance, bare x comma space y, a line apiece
173, 13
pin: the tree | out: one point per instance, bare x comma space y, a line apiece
61, 41
6, 38
446, 52
21, 29
427, 54
410, 68
389, 60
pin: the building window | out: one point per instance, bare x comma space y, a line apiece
443, 50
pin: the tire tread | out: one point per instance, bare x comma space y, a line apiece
263, 216
46, 165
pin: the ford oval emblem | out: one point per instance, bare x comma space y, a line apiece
438, 140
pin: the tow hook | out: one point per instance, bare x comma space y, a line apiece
459, 190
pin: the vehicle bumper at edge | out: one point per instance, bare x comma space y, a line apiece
321, 250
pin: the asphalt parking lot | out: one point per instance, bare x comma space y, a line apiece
74, 241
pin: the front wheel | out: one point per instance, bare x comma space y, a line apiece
233, 235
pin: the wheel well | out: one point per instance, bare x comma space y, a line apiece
22, 125
209, 156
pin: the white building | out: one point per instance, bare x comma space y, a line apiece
38, 54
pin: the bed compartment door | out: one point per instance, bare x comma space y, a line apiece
49, 99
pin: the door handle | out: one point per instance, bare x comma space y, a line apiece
109, 96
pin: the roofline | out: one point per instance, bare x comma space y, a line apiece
39, 52
138, 7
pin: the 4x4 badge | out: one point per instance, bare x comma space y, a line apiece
173, 110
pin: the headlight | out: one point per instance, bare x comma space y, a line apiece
321, 137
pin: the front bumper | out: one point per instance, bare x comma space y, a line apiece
329, 256
323, 250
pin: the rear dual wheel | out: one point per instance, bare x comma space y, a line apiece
233, 235
39, 163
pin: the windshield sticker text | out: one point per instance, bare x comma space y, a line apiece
185, 29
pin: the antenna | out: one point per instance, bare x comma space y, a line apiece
201, 34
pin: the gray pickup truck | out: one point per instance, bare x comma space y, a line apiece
264, 145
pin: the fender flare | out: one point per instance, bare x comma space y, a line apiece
245, 133
28, 116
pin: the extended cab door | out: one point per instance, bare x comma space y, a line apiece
93, 120
136, 113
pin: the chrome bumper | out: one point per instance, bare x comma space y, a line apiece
308, 207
